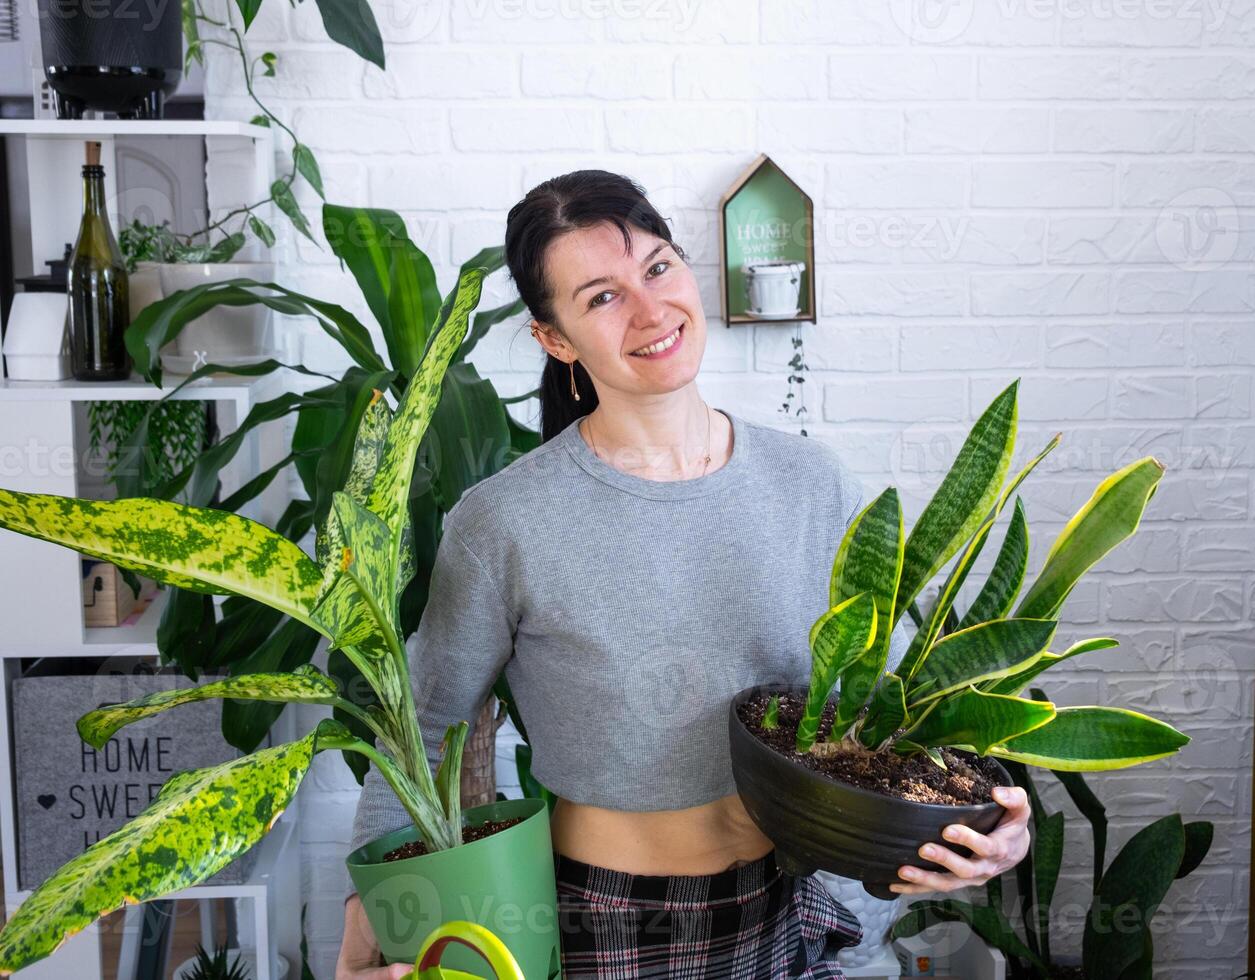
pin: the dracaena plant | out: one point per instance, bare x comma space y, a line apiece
959, 687
350, 594
472, 436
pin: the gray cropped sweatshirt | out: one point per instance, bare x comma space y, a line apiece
626, 612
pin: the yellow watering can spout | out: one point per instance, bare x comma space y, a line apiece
483, 941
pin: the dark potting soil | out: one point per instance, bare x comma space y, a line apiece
970, 778
416, 848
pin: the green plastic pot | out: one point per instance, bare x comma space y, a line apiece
503, 882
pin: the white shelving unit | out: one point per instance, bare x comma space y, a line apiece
43, 449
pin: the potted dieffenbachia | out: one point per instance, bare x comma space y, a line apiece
857, 784
202, 819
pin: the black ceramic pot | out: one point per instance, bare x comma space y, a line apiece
122, 56
820, 823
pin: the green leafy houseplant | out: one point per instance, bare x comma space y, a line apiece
351, 594
214, 966
957, 690
472, 437
1116, 941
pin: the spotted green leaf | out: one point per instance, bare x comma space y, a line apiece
1093, 738
356, 600
305, 685
390, 492
201, 550
200, 821
368, 445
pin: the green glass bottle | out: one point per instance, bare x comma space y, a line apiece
99, 308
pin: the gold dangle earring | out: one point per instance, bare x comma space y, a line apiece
575, 394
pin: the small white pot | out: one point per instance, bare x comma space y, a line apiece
226, 334
773, 289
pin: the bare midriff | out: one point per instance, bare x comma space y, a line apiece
699, 840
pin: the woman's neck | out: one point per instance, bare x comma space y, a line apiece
666, 440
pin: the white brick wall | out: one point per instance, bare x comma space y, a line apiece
1062, 190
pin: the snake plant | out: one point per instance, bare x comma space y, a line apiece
1127, 892
350, 594
959, 682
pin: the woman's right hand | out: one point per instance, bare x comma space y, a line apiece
360, 958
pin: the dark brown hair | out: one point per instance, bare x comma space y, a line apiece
579, 199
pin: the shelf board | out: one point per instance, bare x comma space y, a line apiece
112, 640
215, 387
87, 128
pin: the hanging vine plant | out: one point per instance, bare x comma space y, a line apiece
797, 368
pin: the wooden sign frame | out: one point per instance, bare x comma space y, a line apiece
764, 183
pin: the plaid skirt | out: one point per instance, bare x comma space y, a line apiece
749, 923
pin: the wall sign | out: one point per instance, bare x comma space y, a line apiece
69, 795
767, 248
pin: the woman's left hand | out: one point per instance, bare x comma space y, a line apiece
993, 853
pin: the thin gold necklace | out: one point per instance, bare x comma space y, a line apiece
705, 460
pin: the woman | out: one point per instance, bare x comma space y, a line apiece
651, 558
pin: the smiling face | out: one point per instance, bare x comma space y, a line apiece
609, 304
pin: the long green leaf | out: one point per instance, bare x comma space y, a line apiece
868, 560
389, 497
413, 303
1047, 856
1128, 895
352, 23
979, 653
200, 821
449, 776
964, 498
1014, 683
1005, 577
941, 617
973, 719
289, 648
1093, 738
1093, 811
1110, 515
838, 637
207, 551
471, 434
307, 685
885, 714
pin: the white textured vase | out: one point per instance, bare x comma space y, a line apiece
876, 916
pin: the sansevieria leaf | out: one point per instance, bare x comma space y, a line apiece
1093, 738
305, 685
964, 498
979, 653
869, 560
200, 821
1108, 517
976, 720
201, 550
886, 713
1005, 577
1016, 682
841, 635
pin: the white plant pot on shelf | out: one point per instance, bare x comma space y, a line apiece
36, 344
228, 335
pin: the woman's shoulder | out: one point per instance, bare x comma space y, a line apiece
804, 460
510, 498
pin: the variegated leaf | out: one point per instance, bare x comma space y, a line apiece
367, 452
305, 685
869, 560
1091, 738
356, 600
201, 550
979, 653
390, 492
842, 634
975, 720
886, 713
200, 821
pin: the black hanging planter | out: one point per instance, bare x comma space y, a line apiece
820, 823
116, 56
